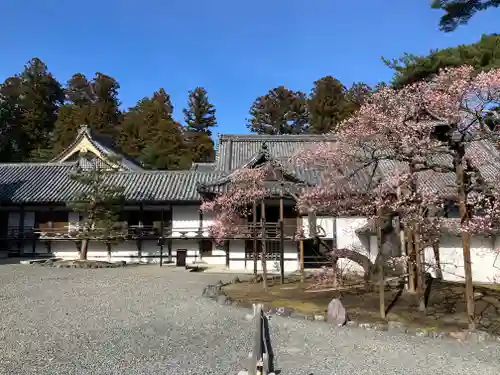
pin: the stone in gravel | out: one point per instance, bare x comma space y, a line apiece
298, 315
421, 332
224, 300
212, 291
336, 312
352, 323
479, 336
248, 317
380, 327
319, 317
397, 326
284, 311
235, 280
267, 309
458, 335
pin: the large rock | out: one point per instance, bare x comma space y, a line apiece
336, 313
212, 291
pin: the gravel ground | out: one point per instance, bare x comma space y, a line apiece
147, 320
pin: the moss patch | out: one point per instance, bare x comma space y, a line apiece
446, 309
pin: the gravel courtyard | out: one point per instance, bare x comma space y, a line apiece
151, 320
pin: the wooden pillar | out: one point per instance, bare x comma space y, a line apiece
380, 266
226, 249
264, 244
20, 243
51, 226
282, 243
254, 236
139, 233
169, 249
161, 238
301, 249
169, 234
200, 235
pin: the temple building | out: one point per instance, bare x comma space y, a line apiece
164, 223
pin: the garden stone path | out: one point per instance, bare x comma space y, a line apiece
152, 320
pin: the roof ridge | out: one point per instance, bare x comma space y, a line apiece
274, 138
39, 164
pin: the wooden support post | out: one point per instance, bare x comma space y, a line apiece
254, 236
419, 252
51, 226
381, 267
20, 235
282, 242
200, 235
140, 232
226, 249
256, 353
161, 238
412, 285
264, 245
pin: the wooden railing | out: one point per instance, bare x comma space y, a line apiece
268, 231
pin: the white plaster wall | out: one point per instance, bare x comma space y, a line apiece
327, 223
191, 246
218, 256
237, 261
124, 251
186, 218
485, 263
347, 238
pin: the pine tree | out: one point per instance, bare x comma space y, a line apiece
94, 103
200, 118
166, 149
328, 105
150, 134
99, 203
200, 114
280, 111
33, 97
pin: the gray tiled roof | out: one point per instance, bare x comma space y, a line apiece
104, 145
233, 151
51, 183
204, 167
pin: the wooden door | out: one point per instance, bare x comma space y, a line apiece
181, 258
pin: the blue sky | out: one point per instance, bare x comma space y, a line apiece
237, 50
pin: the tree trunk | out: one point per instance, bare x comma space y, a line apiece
380, 267
108, 248
411, 259
437, 258
464, 218
264, 266
419, 253
84, 249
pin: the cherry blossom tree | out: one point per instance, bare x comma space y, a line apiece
245, 188
425, 130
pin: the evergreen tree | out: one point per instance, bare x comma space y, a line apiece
150, 134
280, 111
94, 103
33, 97
201, 146
459, 12
328, 105
99, 203
483, 56
12, 140
166, 149
105, 115
199, 118
200, 114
